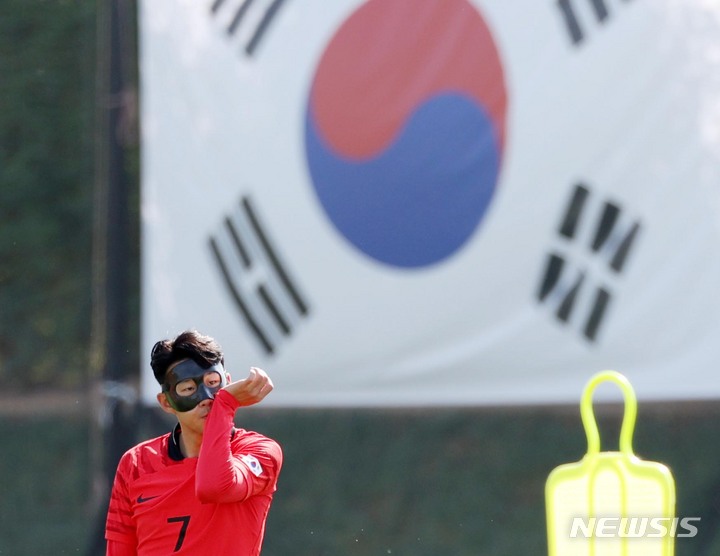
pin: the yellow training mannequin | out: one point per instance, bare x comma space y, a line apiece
610, 503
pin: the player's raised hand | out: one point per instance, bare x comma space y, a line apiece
252, 389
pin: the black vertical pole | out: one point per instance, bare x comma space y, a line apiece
117, 214
117, 389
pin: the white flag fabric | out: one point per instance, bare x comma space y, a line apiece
435, 202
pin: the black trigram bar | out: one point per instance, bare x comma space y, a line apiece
609, 237
573, 212
565, 293
613, 236
241, 14
554, 271
239, 300
571, 21
258, 282
273, 258
567, 9
599, 306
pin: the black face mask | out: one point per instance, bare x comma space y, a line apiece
187, 384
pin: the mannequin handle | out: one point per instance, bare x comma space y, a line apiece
588, 416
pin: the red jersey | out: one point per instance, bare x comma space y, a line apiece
217, 503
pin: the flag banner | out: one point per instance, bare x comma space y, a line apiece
612, 503
433, 202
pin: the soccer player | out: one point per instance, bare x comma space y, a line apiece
206, 487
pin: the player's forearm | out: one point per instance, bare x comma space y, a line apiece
219, 477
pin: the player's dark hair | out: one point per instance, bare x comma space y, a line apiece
204, 350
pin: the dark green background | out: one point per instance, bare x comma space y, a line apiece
402, 482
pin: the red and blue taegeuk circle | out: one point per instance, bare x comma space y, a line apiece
405, 128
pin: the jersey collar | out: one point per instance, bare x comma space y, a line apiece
174, 443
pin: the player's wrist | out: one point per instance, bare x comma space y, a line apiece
226, 398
